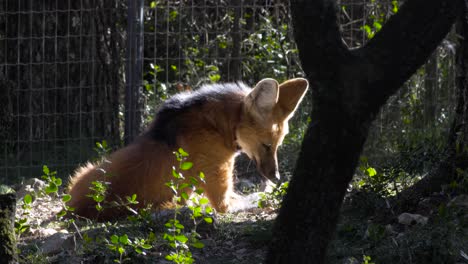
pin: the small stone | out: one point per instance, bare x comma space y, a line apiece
208, 242
32, 185
412, 219
241, 251
46, 232
57, 243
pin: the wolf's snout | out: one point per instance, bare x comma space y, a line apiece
268, 171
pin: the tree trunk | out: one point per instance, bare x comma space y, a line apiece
7, 232
349, 87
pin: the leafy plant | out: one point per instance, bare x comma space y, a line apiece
52, 182
120, 244
98, 193
366, 260
102, 149
274, 197
198, 205
22, 225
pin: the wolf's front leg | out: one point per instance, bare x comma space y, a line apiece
219, 195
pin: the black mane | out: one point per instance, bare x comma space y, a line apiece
167, 123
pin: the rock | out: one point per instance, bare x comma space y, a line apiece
32, 185
460, 201
411, 219
208, 242
46, 232
57, 242
241, 251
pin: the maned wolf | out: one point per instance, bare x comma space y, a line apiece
212, 124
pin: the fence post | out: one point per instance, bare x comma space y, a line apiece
133, 73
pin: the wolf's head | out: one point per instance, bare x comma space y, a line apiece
264, 122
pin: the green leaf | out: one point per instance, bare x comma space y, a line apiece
183, 186
183, 153
193, 181
146, 246
377, 26
66, 198
61, 213
214, 77
114, 239
45, 169
198, 244
153, 4
371, 172
204, 200
184, 195
27, 199
209, 220
181, 238
51, 188
124, 239
58, 182
121, 250
186, 165
175, 174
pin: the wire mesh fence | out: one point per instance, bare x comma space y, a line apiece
59, 66
73, 73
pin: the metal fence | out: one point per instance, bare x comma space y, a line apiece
73, 73
60, 78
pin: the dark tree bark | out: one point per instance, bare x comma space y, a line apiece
348, 87
7, 233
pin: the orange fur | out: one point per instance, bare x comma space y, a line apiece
210, 132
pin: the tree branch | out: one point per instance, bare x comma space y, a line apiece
318, 37
412, 38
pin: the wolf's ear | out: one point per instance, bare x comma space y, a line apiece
263, 97
291, 93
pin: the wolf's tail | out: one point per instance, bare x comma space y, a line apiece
79, 189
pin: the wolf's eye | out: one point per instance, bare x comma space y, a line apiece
266, 146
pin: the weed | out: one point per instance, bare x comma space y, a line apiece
120, 244
275, 197
198, 205
22, 225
